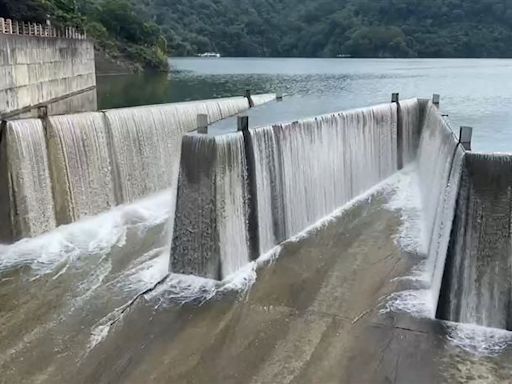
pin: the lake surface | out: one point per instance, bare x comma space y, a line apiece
477, 93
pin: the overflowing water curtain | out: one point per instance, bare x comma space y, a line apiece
477, 285
305, 170
211, 223
80, 166
410, 122
26, 203
146, 142
440, 160
263, 98
93, 161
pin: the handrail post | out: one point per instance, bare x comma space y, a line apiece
436, 99
202, 123
465, 136
243, 123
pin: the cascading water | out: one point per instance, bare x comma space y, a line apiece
210, 237
27, 206
410, 130
96, 160
232, 202
145, 149
144, 136
440, 160
306, 170
263, 98
80, 166
477, 284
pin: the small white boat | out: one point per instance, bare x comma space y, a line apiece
209, 54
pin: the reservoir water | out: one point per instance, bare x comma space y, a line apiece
473, 92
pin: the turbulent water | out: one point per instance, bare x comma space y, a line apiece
477, 287
306, 170
80, 166
26, 202
440, 160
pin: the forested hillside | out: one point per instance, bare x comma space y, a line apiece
116, 26
146, 30
326, 28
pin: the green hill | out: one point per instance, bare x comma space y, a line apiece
145, 31
326, 28
120, 32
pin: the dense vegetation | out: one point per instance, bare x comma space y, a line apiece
117, 28
326, 28
142, 29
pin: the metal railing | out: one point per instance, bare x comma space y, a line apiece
14, 27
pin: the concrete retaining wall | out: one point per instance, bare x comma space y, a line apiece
39, 70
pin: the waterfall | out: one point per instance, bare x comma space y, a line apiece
211, 237
95, 161
230, 106
80, 166
263, 98
305, 170
440, 160
410, 129
27, 207
478, 280
146, 142
232, 202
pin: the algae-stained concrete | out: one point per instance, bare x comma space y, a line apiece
311, 317
36, 70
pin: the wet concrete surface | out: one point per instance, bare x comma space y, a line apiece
312, 316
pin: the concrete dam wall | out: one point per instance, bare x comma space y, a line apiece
60, 169
37, 70
243, 193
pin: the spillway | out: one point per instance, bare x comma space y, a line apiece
26, 203
80, 166
324, 198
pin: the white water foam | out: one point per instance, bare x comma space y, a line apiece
90, 236
478, 340
180, 289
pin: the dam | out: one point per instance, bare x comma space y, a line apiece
359, 246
